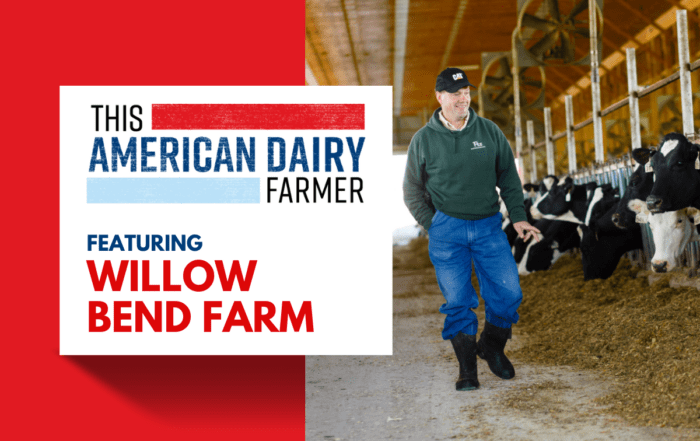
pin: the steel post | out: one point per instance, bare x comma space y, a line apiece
684, 63
632, 87
548, 139
595, 82
531, 144
570, 136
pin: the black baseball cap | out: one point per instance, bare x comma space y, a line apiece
451, 80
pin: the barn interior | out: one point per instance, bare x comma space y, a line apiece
405, 43
637, 327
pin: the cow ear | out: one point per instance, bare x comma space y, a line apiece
642, 155
693, 151
639, 207
694, 214
567, 185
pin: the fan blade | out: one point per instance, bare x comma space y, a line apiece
674, 109
504, 96
580, 7
546, 43
553, 8
505, 66
532, 83
584, 32
568, 46
530, 21
496, 82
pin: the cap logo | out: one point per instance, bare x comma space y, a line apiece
457, 76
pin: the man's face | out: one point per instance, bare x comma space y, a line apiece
455, 105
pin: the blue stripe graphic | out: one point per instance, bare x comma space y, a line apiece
173, 190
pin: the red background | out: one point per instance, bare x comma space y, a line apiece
124, 43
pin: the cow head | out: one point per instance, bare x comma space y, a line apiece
638, 187
555, 202
676, 183
547, 183
530, 190
600, 202
671, 230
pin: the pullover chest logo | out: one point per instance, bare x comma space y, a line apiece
478, 145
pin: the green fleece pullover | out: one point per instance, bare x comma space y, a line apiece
460, 172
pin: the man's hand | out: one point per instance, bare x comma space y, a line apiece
523, 226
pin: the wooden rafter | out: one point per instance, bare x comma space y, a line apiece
317, 57
560, 76
584, 73
691, 14
351, 42
629, 37
639, 15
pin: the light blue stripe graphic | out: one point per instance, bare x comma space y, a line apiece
173, 190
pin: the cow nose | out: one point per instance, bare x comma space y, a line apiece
659, 267
654, 202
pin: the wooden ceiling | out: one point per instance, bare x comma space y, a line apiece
359, 42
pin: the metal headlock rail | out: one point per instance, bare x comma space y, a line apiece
617, 171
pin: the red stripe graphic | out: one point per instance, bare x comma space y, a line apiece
258, 117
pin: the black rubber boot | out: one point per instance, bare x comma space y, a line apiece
465, 349
490, 348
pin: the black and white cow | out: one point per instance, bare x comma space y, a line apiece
556, 238
574, 203
603, 244
564, 201
600, 200
530, 191
676, 181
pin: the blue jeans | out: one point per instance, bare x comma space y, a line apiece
453, 245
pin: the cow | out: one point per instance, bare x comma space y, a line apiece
573, 203
530, 191
676, 181
603, 244
600, 200
556, 238
672, 230
564, 201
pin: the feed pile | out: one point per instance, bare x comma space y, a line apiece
647, 336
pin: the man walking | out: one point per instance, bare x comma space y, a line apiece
455, 162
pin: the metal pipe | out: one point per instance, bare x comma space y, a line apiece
595, 82
570, 137
481, 101
684, 63
516, 100
533, 155
548, 139
632, 86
